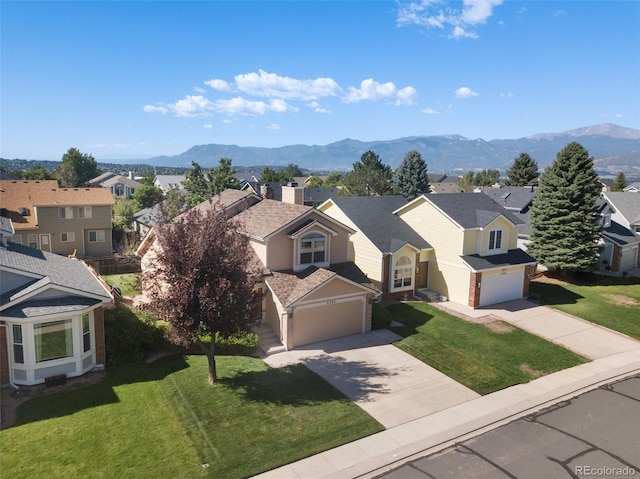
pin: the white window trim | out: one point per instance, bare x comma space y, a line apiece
30, 239
65, 212
71, 237
502, 239
299, 265
394, 266
17, 239
84, 212
97, 240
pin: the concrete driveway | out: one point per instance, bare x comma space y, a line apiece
583, 337
391, 385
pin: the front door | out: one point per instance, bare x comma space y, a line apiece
45, 242
423, 274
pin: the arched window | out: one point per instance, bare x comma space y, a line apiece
403, 273
313, 249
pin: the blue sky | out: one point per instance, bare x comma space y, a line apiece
128, 80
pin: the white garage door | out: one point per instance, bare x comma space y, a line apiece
327, 321
629, 259
498, 288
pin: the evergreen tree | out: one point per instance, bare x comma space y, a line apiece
564, 232
467, 182
269, 174
196, 185
620, 183
222, 177
523, 172
411, 179
369, 177
486, 177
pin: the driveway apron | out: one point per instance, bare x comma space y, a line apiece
391, 385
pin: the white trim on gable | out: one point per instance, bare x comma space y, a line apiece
315, 223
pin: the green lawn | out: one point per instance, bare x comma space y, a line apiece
611, 302
483, 358
164, 420
129, 283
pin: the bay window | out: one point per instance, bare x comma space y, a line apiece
53, 340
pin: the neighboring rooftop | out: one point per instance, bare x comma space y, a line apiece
627, 204
513, 198
268, 216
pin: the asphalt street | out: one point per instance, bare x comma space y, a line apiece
596, 434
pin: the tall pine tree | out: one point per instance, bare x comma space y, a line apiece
564, 232
523, 172
620, 183
411, 178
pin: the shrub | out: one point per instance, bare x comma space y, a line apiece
243, 343
381, 318
130, 334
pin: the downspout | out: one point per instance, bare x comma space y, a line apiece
10, 383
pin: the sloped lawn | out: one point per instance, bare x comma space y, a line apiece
128, 283
164, 421
485, 358
611, 302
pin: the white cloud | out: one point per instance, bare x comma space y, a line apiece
273, 126
192, 106
197, 89
219, 85
430, 111
272, 85
317, 108
155, 109
439, 14
374, 91
207, 126
465, 92
242, 106
506, 95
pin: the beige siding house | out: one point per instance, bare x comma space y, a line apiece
310, 289
59, 220
462, 246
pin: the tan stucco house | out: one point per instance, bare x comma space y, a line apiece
311, 291
51, 316
468, 254
58, 220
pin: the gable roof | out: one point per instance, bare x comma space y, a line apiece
627, 204
512, 198
373, 216
633, 187
115, 179
510, 258
467, 210
16, 194
269, 216
227, 199
290, 286
48, 269
619, 235
167, 182
319, 195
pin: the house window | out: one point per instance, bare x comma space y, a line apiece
403, 273
84, 211
53, 340
495, 240
66, 212
86, 333
32, 241
118, 190
96, 236
312, 249
67, 237
18, 348
17, 239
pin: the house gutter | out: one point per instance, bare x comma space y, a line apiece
10, 383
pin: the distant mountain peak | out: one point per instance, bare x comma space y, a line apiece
603, 129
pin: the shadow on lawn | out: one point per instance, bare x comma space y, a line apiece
47, 403
551, 294
297, 385
411, 317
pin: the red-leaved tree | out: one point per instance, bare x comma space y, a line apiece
201, 280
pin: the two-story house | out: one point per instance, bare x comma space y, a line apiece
311, 291
51, 315
58, 220
619, 215
470, 255
120, 186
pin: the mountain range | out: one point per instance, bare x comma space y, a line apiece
614, 148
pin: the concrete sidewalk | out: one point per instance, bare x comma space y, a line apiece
615, 356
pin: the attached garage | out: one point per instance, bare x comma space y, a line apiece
628, 259
328, 320
501, 287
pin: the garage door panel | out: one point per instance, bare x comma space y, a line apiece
327, 321
498, 288
628, 259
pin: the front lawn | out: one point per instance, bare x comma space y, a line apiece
611, 302
485, 358
164, 420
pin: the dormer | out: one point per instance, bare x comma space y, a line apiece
312, 245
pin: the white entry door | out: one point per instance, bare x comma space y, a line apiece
45, 242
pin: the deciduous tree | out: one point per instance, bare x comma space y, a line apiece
467, 182
564, 231
369, 177
76, 168
411, 179
523, 171
145, 197
269, 174
486, 177
203, 280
